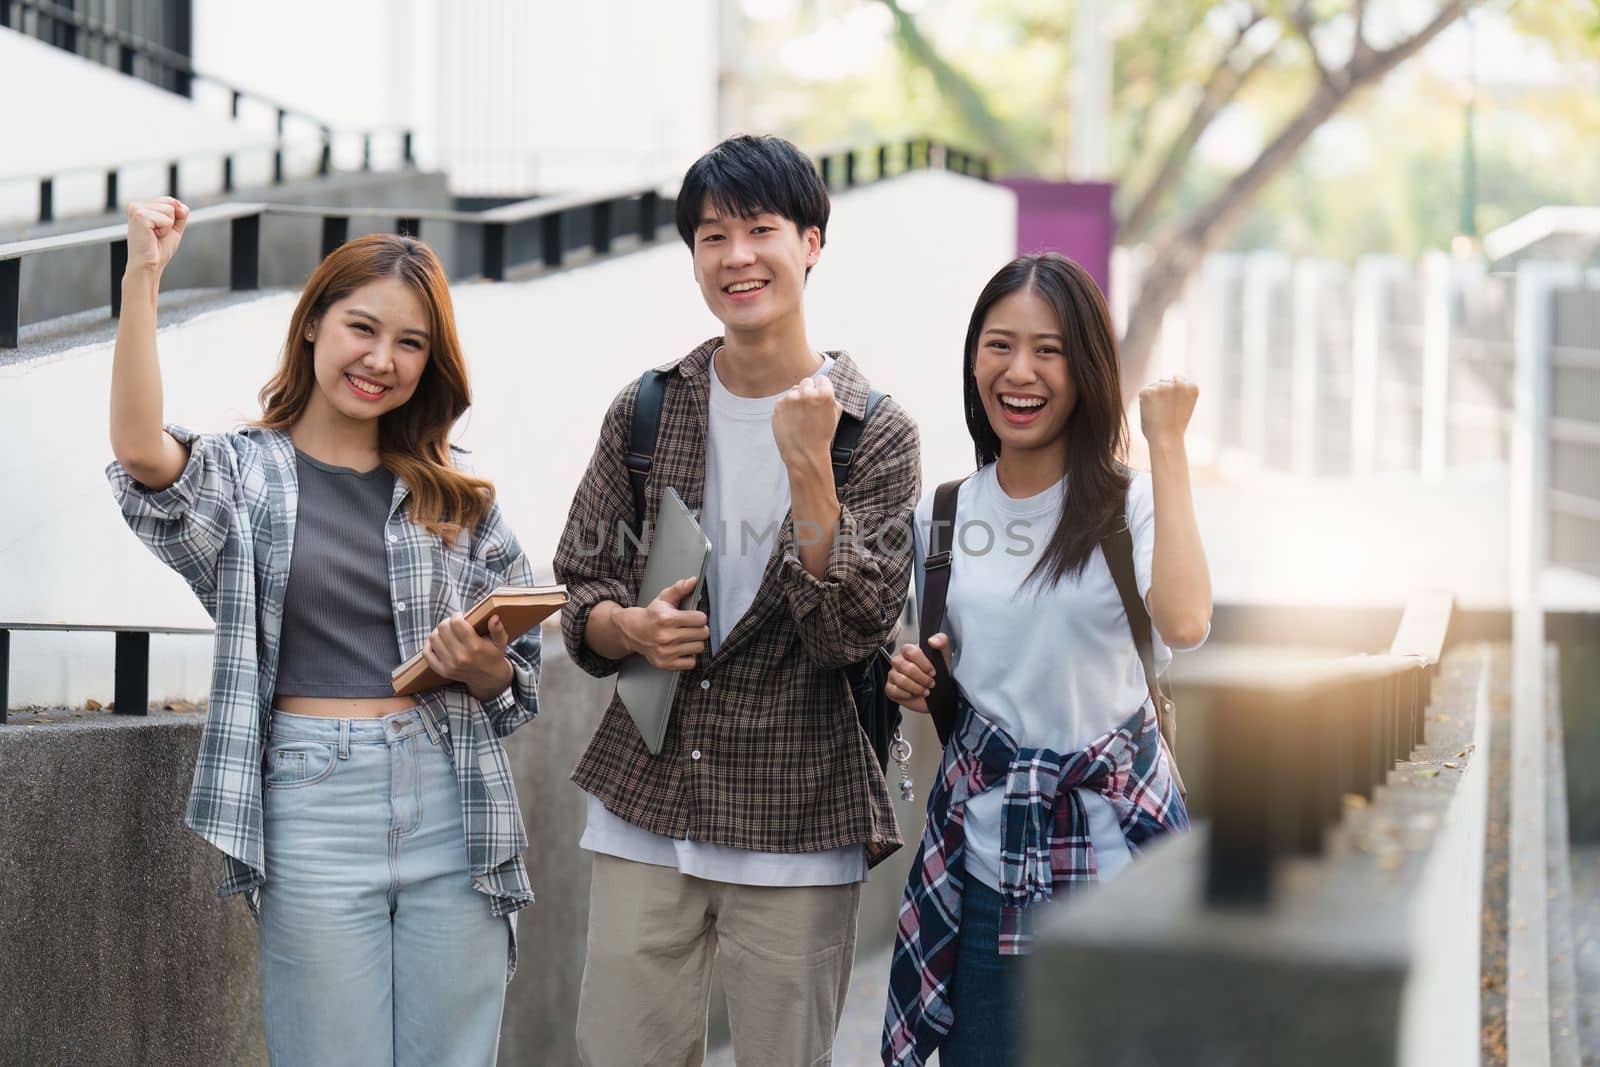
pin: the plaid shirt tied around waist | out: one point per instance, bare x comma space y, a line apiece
1045, 848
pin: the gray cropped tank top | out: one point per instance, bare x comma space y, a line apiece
338, 637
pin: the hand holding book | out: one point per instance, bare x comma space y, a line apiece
470, 647
478, 661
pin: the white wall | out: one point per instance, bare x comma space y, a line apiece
96, 118
552, 96
506, 96
891, 287
349, 63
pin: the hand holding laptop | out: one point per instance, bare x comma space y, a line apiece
668, 637
668, 633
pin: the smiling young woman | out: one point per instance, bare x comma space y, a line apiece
1049, 684
376, 837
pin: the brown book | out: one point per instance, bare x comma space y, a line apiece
520, 607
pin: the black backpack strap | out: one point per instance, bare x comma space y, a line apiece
935, 587
847, 436
642, 434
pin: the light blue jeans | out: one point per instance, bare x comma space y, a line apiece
375, 948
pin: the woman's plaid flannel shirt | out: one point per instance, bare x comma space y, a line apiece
227, 526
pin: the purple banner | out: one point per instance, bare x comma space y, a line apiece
1073, 218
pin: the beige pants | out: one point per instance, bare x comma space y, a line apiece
786, 955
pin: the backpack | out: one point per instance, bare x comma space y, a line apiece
878, 715
1117, 546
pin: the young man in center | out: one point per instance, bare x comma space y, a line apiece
752, 831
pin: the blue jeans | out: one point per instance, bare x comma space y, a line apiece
985, 988
375, 948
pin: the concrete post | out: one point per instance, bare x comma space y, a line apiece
1217, 275
1305, 388
1530, 435
1172, 346
1089, 86
1438, 299
1127, 272
1527, 948
1199, 366
1443, 280
1266, 283
1374, 276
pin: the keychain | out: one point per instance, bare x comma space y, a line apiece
900, 752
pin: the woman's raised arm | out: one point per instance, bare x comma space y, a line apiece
151, 455
1180, 582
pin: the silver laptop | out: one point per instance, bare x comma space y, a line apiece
678, 550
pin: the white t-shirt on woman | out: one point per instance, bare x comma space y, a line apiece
1054, 666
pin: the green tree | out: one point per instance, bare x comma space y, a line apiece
1254, 37
1380, 171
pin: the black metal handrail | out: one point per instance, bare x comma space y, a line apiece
1286, 743
279, 147
547, 218
131, 686
131, 46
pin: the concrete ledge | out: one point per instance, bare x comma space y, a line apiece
1326, 972
115, 950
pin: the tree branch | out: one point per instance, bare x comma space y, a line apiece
1179, 252
1381, 62
1360, 50
1306, 26
959, 89
1219, 89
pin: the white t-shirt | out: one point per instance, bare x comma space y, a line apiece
1054, 666
746, 501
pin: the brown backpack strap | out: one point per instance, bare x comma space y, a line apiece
1117, 546
1118, 549
935, 586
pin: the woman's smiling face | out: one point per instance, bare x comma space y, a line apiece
370, 349
1021, 371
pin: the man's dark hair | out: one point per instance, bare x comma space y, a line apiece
745, 176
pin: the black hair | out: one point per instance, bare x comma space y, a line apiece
1096, 431
745, 176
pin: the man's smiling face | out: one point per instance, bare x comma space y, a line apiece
752, 271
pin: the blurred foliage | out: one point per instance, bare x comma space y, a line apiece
1385, 174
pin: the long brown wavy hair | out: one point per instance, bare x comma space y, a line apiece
413, 439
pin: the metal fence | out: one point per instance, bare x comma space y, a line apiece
1399, 385
538, 234
1394, 368
150, 41
1334, 377
1575, 429
1483, 364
